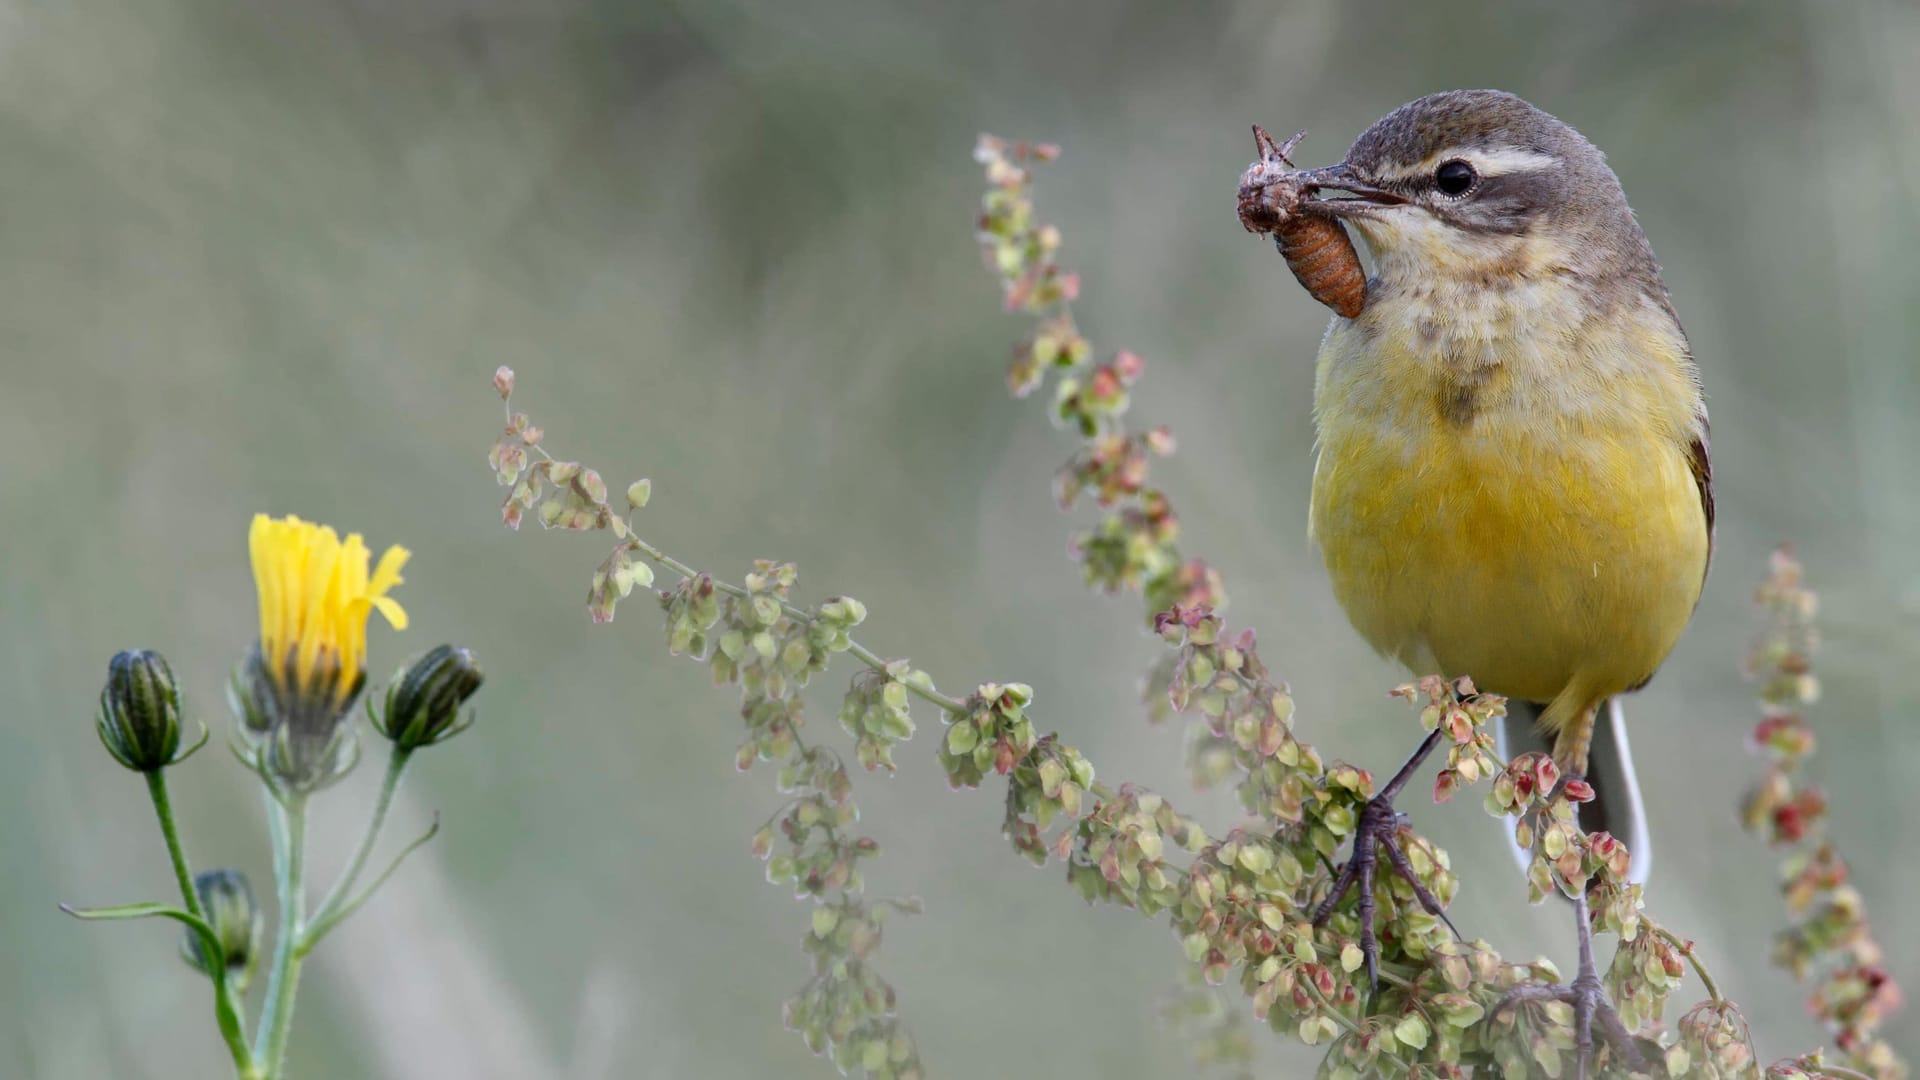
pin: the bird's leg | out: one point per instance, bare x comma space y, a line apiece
1589, 1002
1374, 834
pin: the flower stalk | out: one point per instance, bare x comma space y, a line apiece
228, 1010
336, 906
1830, 933
283, 974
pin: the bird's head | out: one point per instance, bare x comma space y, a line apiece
1478, 183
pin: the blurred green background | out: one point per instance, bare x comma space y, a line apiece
265, 256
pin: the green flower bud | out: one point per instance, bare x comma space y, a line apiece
139, 721
228, 902
424, 699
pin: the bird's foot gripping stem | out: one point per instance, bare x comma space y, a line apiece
1589, 1002
1373, 836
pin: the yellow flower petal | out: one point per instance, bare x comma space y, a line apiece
396, 615
315, 596
387, 574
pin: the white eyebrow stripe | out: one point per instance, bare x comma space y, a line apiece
1507, 160
1500, 162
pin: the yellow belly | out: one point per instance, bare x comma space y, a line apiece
1545, 558
1506, 485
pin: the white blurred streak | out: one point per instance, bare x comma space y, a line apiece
606, 1003
415, 978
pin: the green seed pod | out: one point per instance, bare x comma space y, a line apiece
424, 699
139, 720
228, 902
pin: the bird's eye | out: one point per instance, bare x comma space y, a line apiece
1453, 177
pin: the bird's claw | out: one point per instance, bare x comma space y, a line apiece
1375, 833
1589, 1003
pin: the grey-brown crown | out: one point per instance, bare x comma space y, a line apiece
1472, 119
1577, 193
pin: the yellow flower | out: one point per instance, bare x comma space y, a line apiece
315, 595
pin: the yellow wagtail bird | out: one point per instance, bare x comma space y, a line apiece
1513, 481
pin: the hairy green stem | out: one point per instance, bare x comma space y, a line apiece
331, 909
163, 809
283, 978
227, 1008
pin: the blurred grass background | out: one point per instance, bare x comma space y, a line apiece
265, 256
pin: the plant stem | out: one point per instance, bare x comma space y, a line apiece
1686, 950
226, 1004
866, 656
163, 809
1326, 1006
873, 660
329, 910
799, 614
270, 1042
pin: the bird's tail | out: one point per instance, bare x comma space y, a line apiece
1616, 807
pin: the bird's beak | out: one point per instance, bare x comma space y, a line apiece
1362, 196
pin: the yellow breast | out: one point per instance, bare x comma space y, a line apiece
1507, 493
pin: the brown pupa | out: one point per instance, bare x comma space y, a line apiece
1318, 251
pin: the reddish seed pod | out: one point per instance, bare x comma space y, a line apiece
1319, 252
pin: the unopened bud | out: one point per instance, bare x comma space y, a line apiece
423, 702
139, 721
228, 902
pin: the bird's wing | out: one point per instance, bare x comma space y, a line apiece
1699, 456
1700, 460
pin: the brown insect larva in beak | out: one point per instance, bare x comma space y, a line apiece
1316, 248
1321, 256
